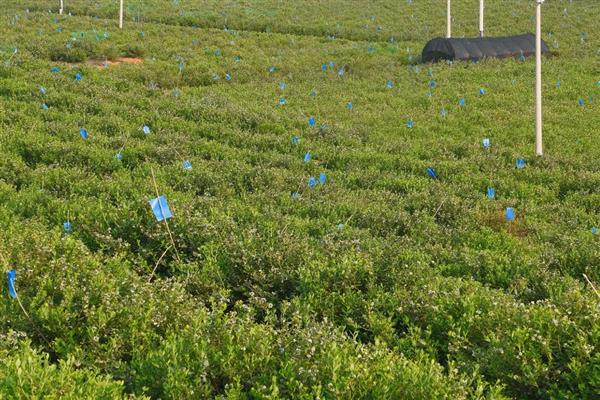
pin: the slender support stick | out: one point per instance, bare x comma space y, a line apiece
121, 15
449, 16
163, 214
592, 285
539, 149
481, 18
158, 262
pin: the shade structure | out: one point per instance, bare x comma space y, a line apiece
477, 48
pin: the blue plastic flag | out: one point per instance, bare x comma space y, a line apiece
312, 121
78, 76
324, 67
55, 70
444, 113
160, 208
307, 157
322, 178
349, 105
331, 64
520, 163
432, 173
312, 182
42, 90
176, 92
187, 165
271, 69
67, 226
430, 73
295, 140
44, 106
486, 143
282, 101
491, 193
510, 214
146, 129
12, 274
340, 226
410, 123
580, 102
216, 77
370, 49
227, 77
295, 195
432, 84
119, 156
461, 102
282, 86
429, 94
313, 93
558, 84
594, 230
217, 52
83, 133
341, 72
180, 66
237, 59
481, 91
390, 84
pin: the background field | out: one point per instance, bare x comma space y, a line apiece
380, 283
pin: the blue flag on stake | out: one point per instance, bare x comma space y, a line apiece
481, 91
312, 121
486, 143
282, 101
431, 172
510, 214
187, 165
160, 208
146, 129
349, 105
312, 182
67, 226
55, 70
307, 157
295, 140
390, 84
83, 133
520, 163
461, 102
410, 123
78, 76
491, 193
12, 274
594, 230
322, 178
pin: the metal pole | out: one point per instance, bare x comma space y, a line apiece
481, 18
60, 10
449, 15
121, 15
538, 79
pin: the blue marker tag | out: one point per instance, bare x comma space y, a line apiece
461, 102
580, 102
481, 91
432, 173
67, 226
176, 93
349, 105
83, 133
295, 195
429, 94
282, 101
180, 66
146, 129
44, 106
307, 157
282, 86
217, 52
331, 64
312, 121
42, 90
491, 193
227, 77
12, 274
594, 230
322, 178
510, 214
370, 49
313, 93
486, 143
341, 72
444, 113
295, 140
119, 156
237, 59
216, 77
271, 69
340, 226
187, 165
390, 84
160, 208
432, 84
410, 123
558, 84
78, 76
312, 182
55, 70
520, 163
324, 67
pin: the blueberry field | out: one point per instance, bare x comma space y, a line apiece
278, 200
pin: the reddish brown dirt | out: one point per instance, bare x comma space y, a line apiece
118, 61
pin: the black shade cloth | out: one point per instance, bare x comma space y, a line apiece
477, 48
